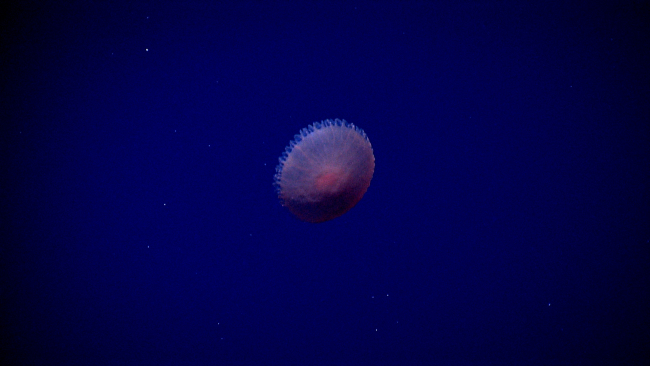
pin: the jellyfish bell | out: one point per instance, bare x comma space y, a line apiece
325, 170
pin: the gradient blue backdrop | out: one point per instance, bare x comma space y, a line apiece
508, 221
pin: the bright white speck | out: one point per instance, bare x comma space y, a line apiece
146, 49
375, 329
147, 246
549, 304
164, 204
386, 295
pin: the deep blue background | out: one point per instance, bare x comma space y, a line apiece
508, 219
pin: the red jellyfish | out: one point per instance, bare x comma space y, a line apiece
325, 170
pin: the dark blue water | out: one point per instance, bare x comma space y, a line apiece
508, 220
